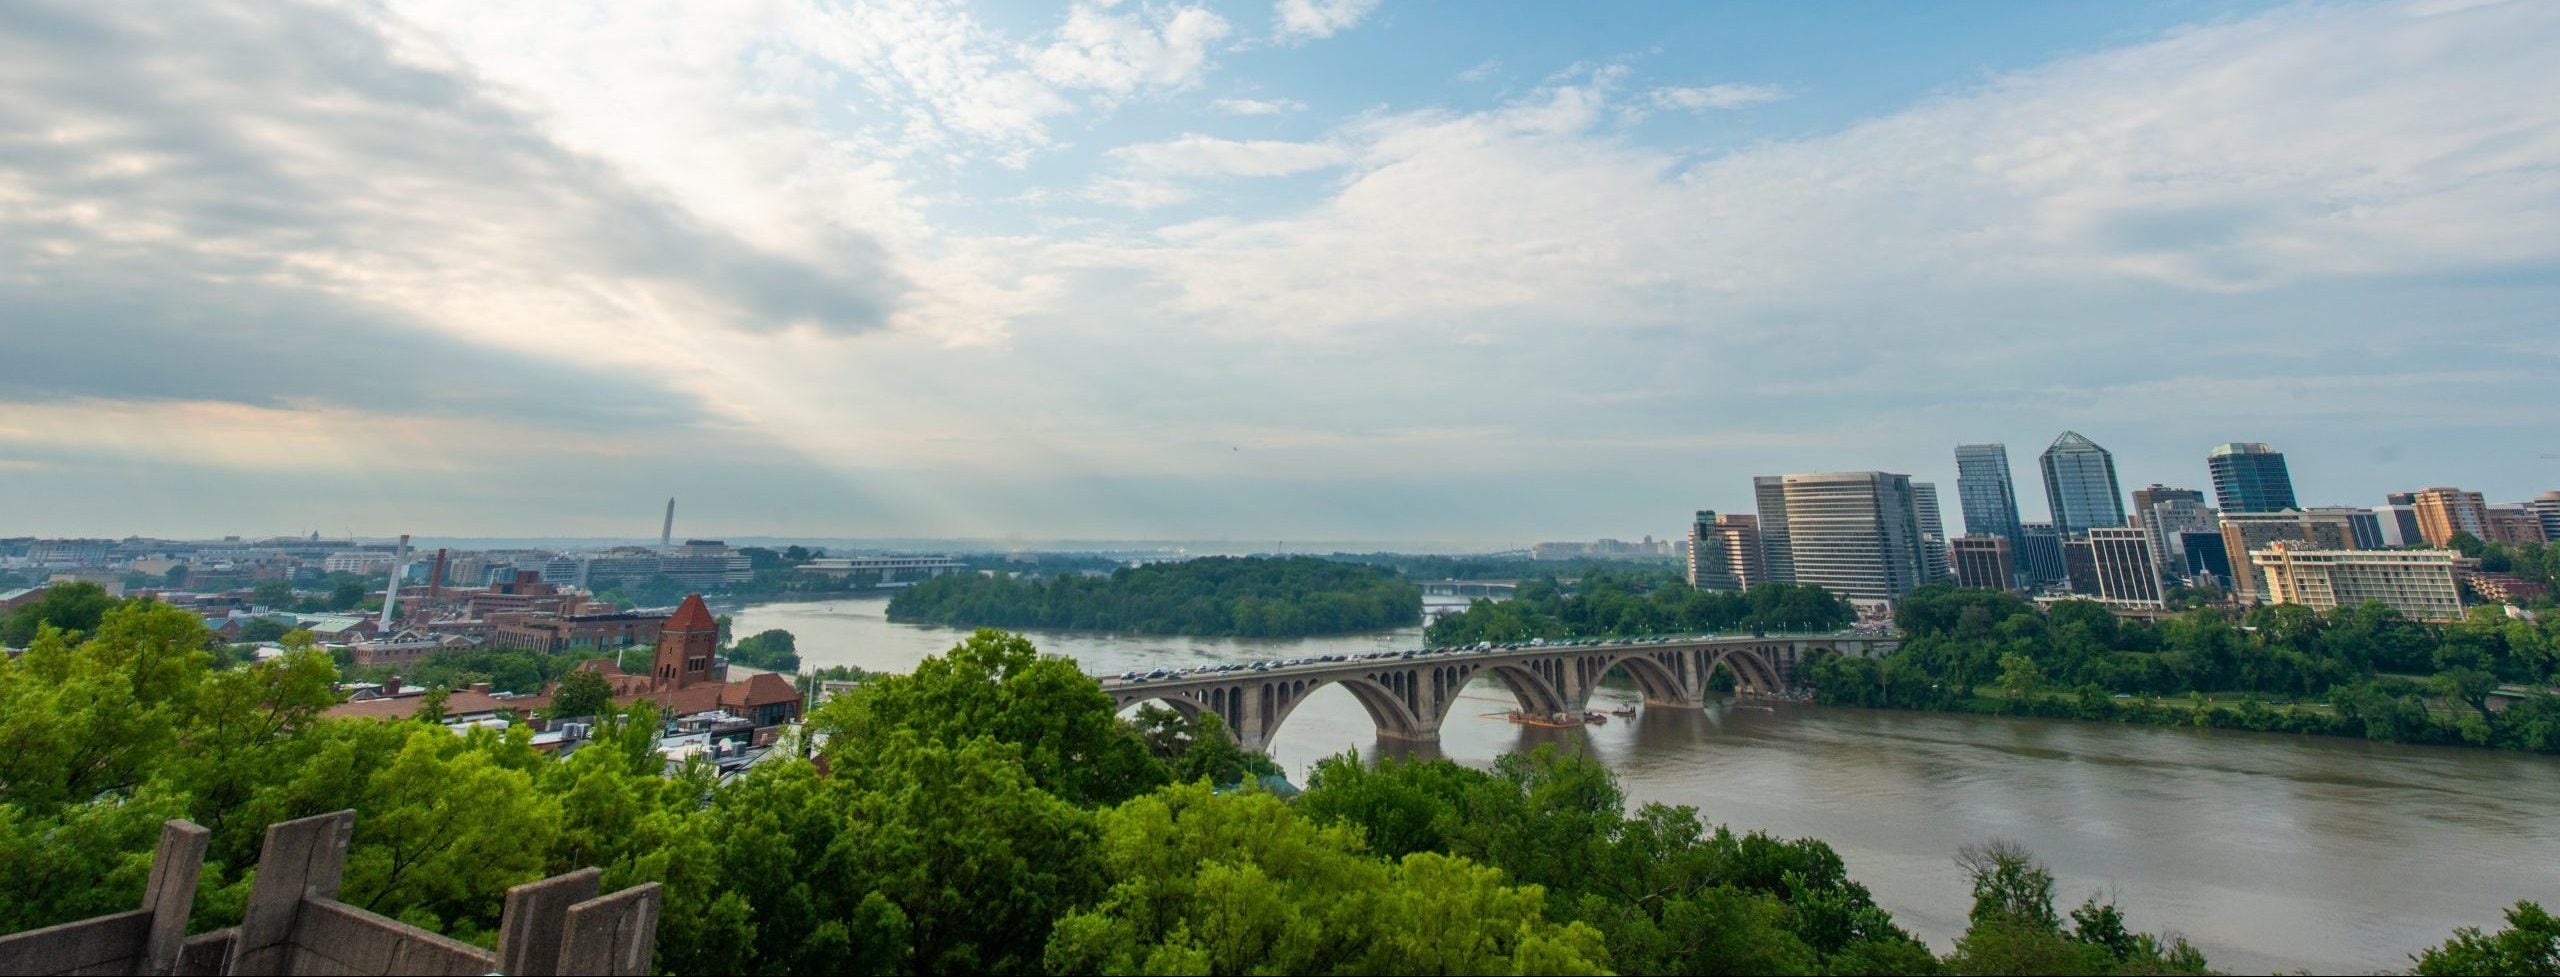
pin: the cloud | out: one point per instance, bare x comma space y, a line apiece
1118, 55
1136, 194
1483, 71
836, 258
1305, 20
1258, 106
1197, 155
309, 152
1716, 96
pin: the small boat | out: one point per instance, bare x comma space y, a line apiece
1623, 711
1596, 718
1561, 720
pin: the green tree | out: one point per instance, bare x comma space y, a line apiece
2530, 945
273, 594
75, 607
582, 692
997, 685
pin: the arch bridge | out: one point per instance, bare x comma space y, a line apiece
1408, 695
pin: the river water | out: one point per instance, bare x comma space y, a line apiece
2268, 852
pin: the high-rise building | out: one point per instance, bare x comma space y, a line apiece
2244, 533
2168, 521
2399, 524
1769, 494
2039, 559
2364, 528
2127, 572
1983, 490
2205, 558
1933, 532
1856, 534
2419, 583
1982, 560
2513, 523
2546, 507
2249, 477
2080, 485
1724, 552
2080, 566
2154, 494
2443, 512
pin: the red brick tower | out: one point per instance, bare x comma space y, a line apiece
685, 646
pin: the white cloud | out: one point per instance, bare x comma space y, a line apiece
1717, 96
1483, 70
1303, 20
1136, 193
2211, 160
1198, 155
1258, 106
1121, 54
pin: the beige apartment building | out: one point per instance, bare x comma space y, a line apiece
2419, 583
2443, 512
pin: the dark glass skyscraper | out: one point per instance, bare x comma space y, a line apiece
2249, 477
2080, 485
1983, 490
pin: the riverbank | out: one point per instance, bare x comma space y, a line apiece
2376, 716
2272, 853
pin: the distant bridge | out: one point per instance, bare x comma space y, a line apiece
1408, 695
1495, 589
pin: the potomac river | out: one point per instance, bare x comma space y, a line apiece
2268, 852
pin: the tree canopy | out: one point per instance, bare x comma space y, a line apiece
1636, 604
1243, 596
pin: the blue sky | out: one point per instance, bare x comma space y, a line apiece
1303, 269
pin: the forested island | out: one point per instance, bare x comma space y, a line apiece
1624, 604
1249, 597
987, 813
2357, 671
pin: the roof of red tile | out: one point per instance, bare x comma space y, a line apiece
692, 616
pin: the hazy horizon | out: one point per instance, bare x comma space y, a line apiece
1331, 269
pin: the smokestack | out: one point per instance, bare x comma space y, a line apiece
667, 532
435, 578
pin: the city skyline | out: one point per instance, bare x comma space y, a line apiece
1236, 270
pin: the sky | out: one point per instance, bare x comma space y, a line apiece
1312, 269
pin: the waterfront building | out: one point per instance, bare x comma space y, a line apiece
1984, 560
2417, 583
1769, 495
2154, 494
2244, 533
1933, 532
2249, 477
578, 632
686, 678
2443, 512
2080, 567
2204, 557
2039, 559
1984, 492
1856, 534
2169, 520
2080, 485
2126, 569
2399, 524
886, 569
2514, 523
1724, 552
2364, 528
2503, 588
